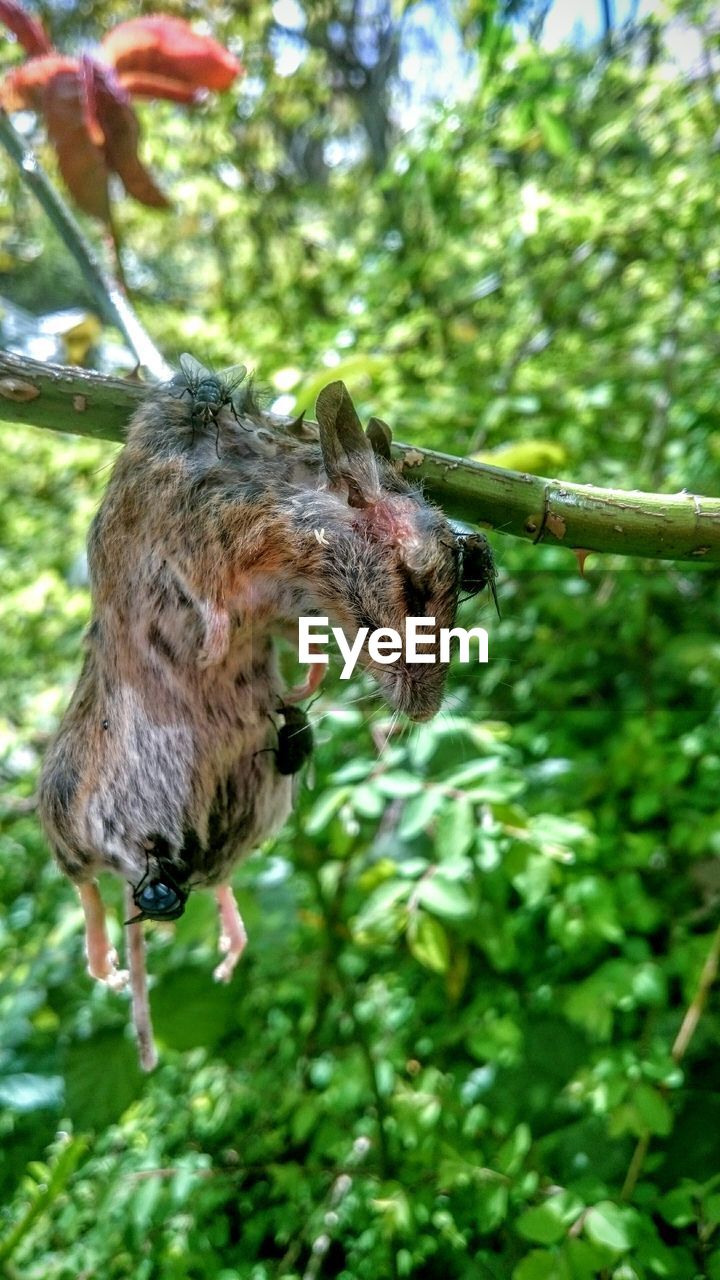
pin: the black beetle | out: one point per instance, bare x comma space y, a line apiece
477, 567
295, 741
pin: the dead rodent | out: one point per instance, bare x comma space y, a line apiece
216, 532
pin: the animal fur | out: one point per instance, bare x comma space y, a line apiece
210, 540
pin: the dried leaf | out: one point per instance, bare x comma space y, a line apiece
168, 48
122, 133
56, 87
82, 164
28, 31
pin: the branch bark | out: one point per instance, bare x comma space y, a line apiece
680, 526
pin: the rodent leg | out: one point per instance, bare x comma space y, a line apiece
102, 957
232, 933
316, 671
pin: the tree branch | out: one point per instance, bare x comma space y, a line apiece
679, 526
107, 293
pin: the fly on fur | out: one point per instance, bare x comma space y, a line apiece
159, 897
209, 391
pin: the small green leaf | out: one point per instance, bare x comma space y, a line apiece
547, 1223
606, 1224
367, 800
511, 1154
679, 1206
541, 1264
556, 135
444, 897
456, 829
398, 784
419, 812
541, 1225
491, 1206
324, 810
428, 942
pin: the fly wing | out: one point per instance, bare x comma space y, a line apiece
192, 369
233, 376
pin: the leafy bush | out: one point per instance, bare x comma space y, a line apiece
449, 1049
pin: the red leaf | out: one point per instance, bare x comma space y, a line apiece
121, 131
29, 32
87, 84
23, 86
169, 48
143, 84
82, 163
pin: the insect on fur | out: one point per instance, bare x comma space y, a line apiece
295, 741
160, 897
210, 392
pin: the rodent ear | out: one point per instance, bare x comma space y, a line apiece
380, 437
346, 450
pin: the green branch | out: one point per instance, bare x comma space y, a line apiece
680, 526
106, 291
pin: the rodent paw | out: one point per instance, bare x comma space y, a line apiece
223, 972
115, 979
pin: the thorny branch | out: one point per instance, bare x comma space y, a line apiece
678, 526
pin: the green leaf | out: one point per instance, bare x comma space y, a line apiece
397, 784
419, 812
102, 1078
539, 1265
324, 810
680, 1206
547, 1223
456, 829
190, 1010
444, 897
541, 1225
491, 1206
367, 800
383, 913
556, 135
428, 942
607, 1224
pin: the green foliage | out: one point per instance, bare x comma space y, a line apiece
472, 949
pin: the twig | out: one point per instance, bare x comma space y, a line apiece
699, 1000
107, 293
675, 526
687, 1030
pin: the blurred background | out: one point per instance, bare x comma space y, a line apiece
448, 1049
